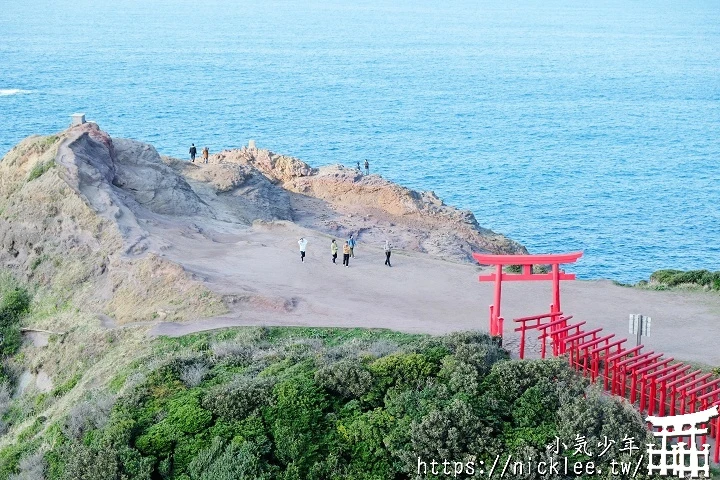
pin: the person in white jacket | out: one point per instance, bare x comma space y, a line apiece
388, 251
303, 245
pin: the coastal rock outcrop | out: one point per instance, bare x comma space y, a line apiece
154, 185
374, 207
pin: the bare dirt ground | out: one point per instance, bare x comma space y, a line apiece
259, 270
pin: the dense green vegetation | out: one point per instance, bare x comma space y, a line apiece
14, 304
673, 278
320, 404
535, 269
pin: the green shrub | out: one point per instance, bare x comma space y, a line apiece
508, 380
535, 269
296, 421
230, 462
411, 369
333, 410
14, 304
537, 405
348, 378
238, 399
82, 462
673, 278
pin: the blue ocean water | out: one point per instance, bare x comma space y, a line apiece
565, 125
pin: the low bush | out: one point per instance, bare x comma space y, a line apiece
232, 353
674, 278
88, 415
347, 378
239, 398
31, 467
14, 304
193, 375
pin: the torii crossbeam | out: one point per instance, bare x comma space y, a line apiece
527, 261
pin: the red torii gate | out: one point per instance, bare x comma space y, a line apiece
527, 261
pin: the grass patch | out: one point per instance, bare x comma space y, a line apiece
39, 169
64, 388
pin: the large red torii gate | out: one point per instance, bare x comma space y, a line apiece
527, 261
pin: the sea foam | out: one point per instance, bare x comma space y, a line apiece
13, 91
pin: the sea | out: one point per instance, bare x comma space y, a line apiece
565, 125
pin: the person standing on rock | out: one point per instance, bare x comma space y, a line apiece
346, 254
333, 250
358, 167
303, 245
206, 154
367, 168
193, 152
388, 251
351, 243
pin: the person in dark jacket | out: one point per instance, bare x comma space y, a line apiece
351, 243
367, 168
193, 152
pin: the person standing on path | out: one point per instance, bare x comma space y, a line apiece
351, 243
346, 254
193, 152
303, 245
367, 168
388, 251
333, 250
206, 154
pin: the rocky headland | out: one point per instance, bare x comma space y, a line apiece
88, 214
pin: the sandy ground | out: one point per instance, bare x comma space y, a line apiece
259, 270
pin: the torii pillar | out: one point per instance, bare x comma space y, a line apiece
527, 261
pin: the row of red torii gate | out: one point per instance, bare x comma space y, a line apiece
657, 385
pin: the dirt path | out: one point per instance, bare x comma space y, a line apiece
259, 268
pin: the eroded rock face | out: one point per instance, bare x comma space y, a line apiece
279, 168
141, 173
236, 192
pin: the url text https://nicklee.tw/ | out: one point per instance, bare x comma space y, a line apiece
510, 467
